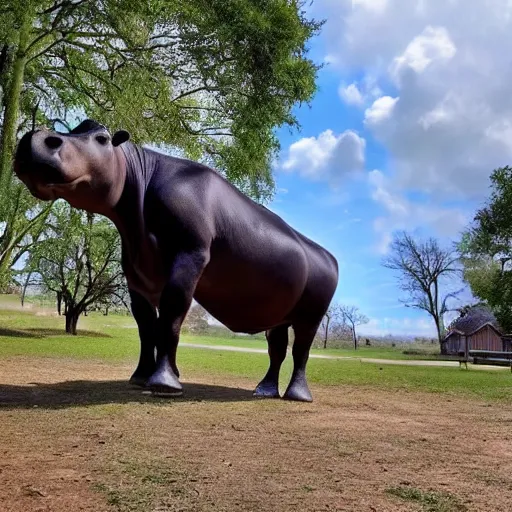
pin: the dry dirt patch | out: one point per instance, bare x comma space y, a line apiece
75, 436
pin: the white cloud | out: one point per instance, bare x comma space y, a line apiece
447, 63
403, 214
443, 112
433, 44
377, 6
351, 94
381, 110
326, 157
359, 94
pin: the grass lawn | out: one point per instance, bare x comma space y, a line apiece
115, 338
368, 352
121, 326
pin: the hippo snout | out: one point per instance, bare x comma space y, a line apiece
37, 155
53, 142
23, 154
45, 147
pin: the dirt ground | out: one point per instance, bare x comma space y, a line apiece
74, 436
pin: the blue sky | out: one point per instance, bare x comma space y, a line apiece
411, 116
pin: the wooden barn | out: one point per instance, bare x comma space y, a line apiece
479, 329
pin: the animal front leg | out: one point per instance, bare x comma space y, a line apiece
174, 304
146, 318
277, 339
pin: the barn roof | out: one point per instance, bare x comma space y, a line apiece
474, 320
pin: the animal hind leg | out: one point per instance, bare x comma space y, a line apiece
298, 387
277, 339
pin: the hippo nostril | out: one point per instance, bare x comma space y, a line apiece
53, 142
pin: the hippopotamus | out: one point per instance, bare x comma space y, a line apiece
188, 233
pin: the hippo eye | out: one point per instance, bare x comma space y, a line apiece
102, 139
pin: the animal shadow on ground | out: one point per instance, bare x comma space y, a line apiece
79, 393
34, 332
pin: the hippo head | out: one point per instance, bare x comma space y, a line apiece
85, 166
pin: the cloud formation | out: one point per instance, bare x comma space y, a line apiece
381, 110
351, 94
327, 157
399, 213
445, 107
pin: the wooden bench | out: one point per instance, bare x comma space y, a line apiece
493, 357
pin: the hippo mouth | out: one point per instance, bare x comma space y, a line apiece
49, 175
45, 181
41, 172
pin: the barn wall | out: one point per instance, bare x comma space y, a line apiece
486, 339
454, 344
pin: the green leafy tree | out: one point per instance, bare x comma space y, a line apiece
21, 230
117, 302
424, 268
79, 260
209, 78
486, 249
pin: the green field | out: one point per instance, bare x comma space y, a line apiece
115, 338
125, 326
361, 352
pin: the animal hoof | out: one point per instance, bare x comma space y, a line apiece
263, 391
165, 391
138, 381
298, 394
164, 384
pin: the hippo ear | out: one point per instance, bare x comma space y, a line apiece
120, 137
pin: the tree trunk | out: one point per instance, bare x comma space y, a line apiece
326, 334
72, 316
59, 303
354, 337
442, 349
442, 346
16, 72
24, 292
106, 311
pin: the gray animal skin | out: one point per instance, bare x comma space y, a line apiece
188, 233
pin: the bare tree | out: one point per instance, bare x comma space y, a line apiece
353, 317
422, 266
331, 319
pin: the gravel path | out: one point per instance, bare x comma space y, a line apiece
403, 362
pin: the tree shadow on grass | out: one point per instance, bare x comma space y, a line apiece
40, 333
17, 333
81, 393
